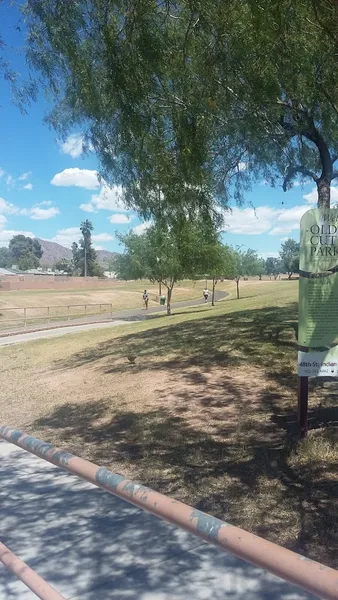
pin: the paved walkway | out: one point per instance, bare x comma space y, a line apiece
93, 322
92, 546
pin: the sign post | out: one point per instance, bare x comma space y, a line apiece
318, 302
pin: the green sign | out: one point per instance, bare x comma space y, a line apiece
318, 294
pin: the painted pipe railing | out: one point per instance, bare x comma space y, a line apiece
30, 578
307, 574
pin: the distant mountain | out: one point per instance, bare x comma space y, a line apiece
52, 252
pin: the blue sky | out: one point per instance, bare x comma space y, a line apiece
47, 187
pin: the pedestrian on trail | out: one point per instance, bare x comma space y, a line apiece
206, 294
146, 299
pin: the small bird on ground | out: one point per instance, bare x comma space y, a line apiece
131, 358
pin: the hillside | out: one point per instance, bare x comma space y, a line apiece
52, 252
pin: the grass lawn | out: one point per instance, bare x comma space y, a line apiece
206, 413
122, 296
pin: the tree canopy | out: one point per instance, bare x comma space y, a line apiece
247, 263
186, 101
289, 255
165, 255
24, 252
84, 255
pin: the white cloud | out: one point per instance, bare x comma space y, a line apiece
264, 219
66, 237
2, 172
87, 208
102, 237
312, 197
10, 181
28, 186
73, 145
141, 228
120, 219
7, 208
3, 220
288, 220
248, 220
45, 203
84, 178
7, 234
24, 176
108, 198
40, 214
98, 247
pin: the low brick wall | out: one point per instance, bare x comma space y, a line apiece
36, 282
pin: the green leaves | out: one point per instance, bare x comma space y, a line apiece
175, 96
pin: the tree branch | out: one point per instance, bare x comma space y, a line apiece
292, 171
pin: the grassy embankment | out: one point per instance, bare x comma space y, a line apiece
206, 414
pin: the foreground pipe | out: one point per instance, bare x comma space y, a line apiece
30, 578
307, 574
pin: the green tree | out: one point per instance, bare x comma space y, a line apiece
64, 265
220, 263
194, 97
163, 254
247, 264
5, 258
289, 255
273, 266
84, 255
25, 252
260, 268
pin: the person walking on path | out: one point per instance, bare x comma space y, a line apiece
206, 294
146, 299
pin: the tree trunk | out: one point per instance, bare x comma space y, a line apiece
289, 275
237, 286
170, 290
260, 277
324, 192
160, 288
213, 292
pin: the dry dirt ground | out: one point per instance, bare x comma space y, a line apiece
206, 413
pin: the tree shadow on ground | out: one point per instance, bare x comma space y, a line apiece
214, 439
254, 337
238, 470
86, 543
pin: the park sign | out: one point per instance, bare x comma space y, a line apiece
318, 294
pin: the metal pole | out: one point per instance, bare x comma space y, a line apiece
30, 578
303, 402
318, 579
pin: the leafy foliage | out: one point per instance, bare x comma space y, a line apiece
25, 252
5, 258
84, 255
165, 254
185, 102
273, 266
247, 263
64, 265
289, 255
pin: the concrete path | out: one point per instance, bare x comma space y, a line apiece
93, 322
92, 546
